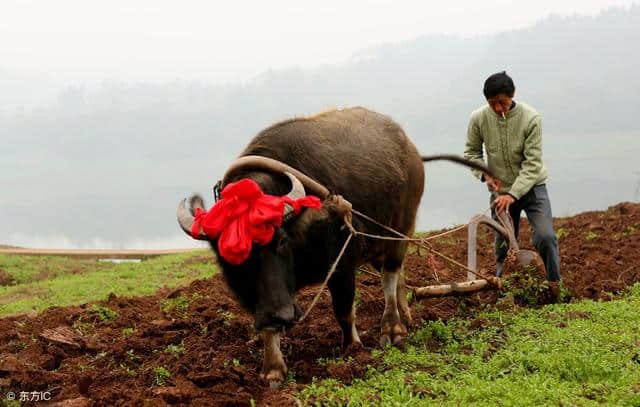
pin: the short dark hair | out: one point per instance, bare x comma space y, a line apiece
498, 83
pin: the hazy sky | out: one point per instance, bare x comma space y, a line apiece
88, 41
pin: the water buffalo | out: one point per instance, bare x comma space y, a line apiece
366, 158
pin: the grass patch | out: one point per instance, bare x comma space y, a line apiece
585, 353
45, 281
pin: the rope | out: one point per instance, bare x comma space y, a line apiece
326, 280
422, 242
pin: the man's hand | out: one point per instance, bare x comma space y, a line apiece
493, 184
503, 202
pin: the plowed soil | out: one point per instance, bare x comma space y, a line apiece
195, 346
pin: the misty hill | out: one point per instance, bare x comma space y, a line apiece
110, 164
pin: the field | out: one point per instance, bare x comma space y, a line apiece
167, 331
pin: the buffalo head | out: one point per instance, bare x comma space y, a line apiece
265, 283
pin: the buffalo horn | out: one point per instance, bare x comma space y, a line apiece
297, 192
185, 216
255, 162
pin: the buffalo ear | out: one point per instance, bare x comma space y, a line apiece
334, 209
299, 225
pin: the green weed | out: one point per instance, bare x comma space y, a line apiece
161, 375
527, 288
177, 349
103, 313
227, 317
179, 305
590, 235
358, 298
128, 370
449, 241
562, 232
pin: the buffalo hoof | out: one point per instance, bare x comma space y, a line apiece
392, 336
275, 376
386, 340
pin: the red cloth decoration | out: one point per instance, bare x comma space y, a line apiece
243, 216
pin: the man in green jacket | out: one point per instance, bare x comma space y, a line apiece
512, 136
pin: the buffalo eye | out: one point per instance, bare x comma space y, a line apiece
281, 242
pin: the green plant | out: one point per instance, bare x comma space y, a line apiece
590, 235
291, 377
334, 361
127, 331
129, 371
179, 305
227, 317
161, 375
21, 346
564, 294
131, 355
561, 232
433, 330
177, 349
447, 241
83, 328
409, 296
103, 313
358, 298
526, 288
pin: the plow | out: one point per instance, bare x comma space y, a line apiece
476, 281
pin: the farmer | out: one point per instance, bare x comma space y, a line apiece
512, 136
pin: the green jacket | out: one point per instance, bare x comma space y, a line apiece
513, 146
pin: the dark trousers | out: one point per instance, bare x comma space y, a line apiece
537, 206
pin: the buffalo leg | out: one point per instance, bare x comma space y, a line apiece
274, 369
403, 304
342, 288
391, 326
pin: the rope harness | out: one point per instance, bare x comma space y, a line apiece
345, 209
